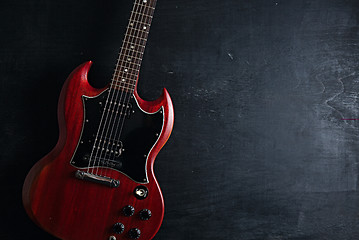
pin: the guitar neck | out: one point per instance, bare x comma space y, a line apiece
133, 47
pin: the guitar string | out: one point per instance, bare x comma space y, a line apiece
117, 103
101, 125
110, 110
146, 24
128, 85
100, 140
135, 42
120, 104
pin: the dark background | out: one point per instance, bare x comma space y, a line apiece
259, 149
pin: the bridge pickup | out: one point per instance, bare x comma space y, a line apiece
97, 179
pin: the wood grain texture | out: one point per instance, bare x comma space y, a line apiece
73, 209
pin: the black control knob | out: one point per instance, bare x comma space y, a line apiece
118, 228
134, 233
128, 210
145, 214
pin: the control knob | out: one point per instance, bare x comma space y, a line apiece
128, 210
134, 233
145, 214
118, 228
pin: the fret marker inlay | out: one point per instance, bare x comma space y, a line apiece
133, 47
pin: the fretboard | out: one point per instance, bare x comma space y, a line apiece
133, 47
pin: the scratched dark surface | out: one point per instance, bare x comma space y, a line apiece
259, 150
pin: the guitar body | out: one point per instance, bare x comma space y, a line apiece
72, 208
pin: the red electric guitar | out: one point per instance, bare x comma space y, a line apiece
98, 181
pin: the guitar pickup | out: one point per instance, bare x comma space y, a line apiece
110, 182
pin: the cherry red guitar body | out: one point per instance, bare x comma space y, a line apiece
74, 209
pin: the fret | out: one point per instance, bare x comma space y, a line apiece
132, 53
142, 18
132, 50
130, 78
121, 87
142, 14
139, 46
129, 39
130, 74
132, 20
118, 75
117, 84
130, 57
130, 35
142, 5
134, 46
139, 30
123, 79
130, 60
133, 62
138, 34
123, 75
127, 56
128, 69
152, 2
128, 86
131, 67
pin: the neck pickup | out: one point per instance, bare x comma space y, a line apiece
97, 179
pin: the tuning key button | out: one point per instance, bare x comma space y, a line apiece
128, 210
134, 233
145, 214
118, 228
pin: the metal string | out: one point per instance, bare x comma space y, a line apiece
118, 102
115, 101
141, 23
107, 106
101, 148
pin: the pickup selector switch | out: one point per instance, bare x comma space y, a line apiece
118, 228
128, 210
134, 233
145, 214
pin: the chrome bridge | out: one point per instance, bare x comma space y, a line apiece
97, 179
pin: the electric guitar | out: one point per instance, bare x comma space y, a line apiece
98, 182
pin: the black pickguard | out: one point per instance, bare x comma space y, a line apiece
128, 154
